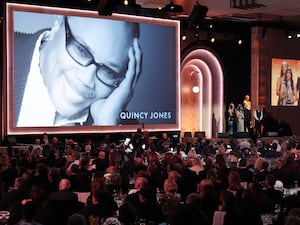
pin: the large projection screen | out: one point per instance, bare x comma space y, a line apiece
58, 81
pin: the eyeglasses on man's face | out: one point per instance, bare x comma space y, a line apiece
83, 57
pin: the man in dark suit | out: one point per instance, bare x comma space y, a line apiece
275, 197
64, 202
15, 196
73, 72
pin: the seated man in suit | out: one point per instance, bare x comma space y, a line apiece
64, 202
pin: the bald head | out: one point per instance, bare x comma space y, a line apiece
64, 184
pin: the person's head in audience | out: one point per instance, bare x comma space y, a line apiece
220, 162
37, 141
142, 173
280, 162
140, 182
212, 175
193, 199
173, 175
228, 201
270, 181
53, 175
192, 153
19, 183
259, 163
221, 150
37, 194
234, 180
293, 217
203, 184
145, 194
242, 163
101, 154
170, 186
74, 169
251, 161
76, 219
112, 221
64, 184
28, 210
98, 184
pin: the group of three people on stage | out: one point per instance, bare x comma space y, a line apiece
239, 119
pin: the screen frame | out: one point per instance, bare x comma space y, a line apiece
8, 89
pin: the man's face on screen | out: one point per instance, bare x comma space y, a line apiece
84, 60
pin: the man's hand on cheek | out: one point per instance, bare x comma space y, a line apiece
107, 111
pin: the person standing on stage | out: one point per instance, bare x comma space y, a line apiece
247, 113
258, 117
240, 118
231, 119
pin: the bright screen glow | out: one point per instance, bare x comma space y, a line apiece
64, 44
285, 82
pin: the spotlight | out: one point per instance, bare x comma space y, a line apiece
183, 37
211, 38
289, 34
240, 41
196, 89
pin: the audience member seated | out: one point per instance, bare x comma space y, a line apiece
130, 165
14, 196
141, 205
191, 213
248, 213
43, 214
76, 219
64, 202
282, 172
138, 184
227, 213
98, 183
293, 217
261, 170
101, 161
170, 201
209, 198
27, 209
234, 185
53, 180
245, 174
102, 206
155, 178
10, 174
275, 196
222, 172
